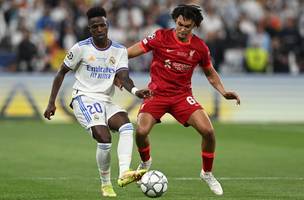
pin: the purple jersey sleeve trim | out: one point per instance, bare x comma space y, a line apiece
122, 69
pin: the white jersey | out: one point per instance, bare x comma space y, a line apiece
95, 68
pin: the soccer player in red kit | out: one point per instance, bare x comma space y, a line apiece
176, 53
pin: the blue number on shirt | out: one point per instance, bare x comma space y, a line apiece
95, 108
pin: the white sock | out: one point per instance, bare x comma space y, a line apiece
125, 147
148, 163
103, 158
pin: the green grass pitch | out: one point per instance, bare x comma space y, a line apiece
40, 161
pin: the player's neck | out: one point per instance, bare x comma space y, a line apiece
101, 43
183, 40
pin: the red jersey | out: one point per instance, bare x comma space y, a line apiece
173, 61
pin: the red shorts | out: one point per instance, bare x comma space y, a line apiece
180, 107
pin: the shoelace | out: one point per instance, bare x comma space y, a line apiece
108, 189
210, 178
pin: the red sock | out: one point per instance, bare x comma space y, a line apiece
207, 158
144, 153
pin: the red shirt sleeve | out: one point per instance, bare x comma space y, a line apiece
206, 58
152, 41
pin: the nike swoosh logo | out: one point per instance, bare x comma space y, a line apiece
169, 50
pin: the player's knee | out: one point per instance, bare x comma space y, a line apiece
208, 134
105, 139
142, 131
102, 137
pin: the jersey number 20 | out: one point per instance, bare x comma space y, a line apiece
96, 107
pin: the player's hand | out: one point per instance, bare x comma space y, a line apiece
144, 93
232, 95
50, 111
118, 83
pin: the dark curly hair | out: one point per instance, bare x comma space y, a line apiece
96, 12
192, 12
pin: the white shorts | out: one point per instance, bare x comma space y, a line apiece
91, 112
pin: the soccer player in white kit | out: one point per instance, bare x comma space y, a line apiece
96, 62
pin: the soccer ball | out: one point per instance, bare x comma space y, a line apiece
154, 184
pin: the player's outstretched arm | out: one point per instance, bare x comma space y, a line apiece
135, 50
51, 108
122, 79
215, 80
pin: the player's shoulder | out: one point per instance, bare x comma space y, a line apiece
117, 45
162, 34
158, 32
164, 31
85, 42
199, 42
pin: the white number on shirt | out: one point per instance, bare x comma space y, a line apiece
191, 100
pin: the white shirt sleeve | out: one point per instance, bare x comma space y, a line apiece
123, 61
73, 57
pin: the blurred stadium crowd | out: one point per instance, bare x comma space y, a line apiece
261, 36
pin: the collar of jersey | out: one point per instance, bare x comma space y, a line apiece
178, 41
101, 49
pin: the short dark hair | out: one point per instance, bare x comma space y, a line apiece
96, 12
192, 12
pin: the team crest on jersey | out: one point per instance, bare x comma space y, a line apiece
96, 117
191, 53
112, 60
70, 55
